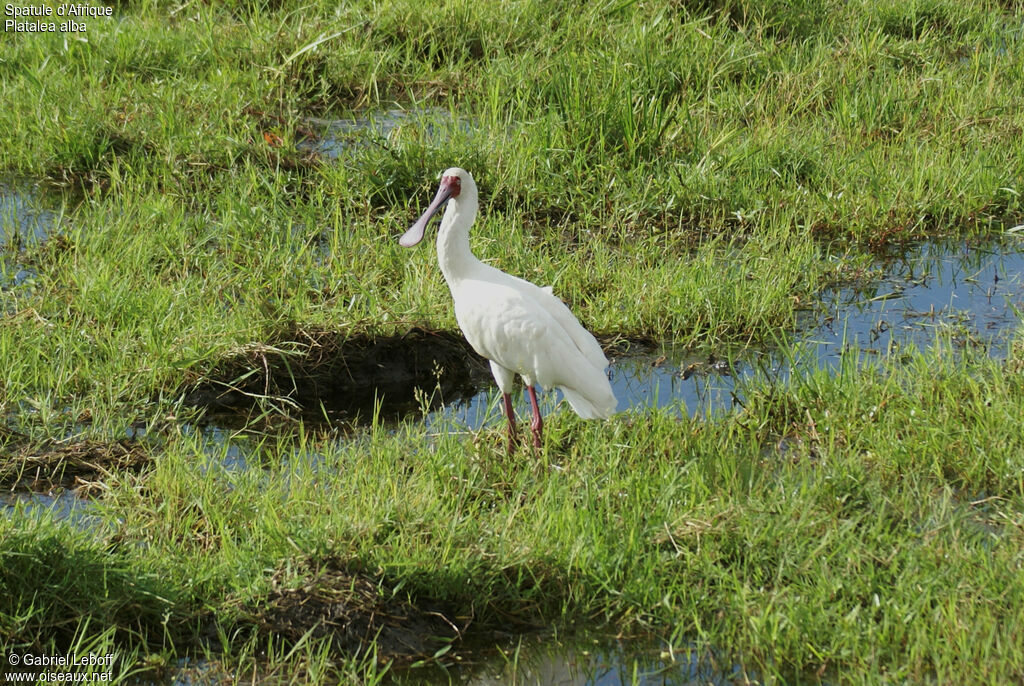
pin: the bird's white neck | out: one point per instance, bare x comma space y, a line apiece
453, 254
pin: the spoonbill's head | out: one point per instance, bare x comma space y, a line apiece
455, 182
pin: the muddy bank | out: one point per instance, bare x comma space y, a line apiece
330, 375
83, 467
355, 611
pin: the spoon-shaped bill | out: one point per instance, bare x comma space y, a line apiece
415, 233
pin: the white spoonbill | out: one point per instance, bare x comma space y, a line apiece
519, 327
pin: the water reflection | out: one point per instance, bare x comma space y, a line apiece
974, 295
336, 136
64, 505
22, 218
546, 661
23, 222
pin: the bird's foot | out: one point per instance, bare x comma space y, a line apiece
537, 422
537, 429
513, 442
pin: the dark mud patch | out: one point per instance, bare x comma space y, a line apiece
330, 375
356, 611
83, 467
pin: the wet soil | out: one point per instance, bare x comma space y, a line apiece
356, 610
325, 376
83, 467
328, 375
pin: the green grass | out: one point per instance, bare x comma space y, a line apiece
884, 541
685, 171
664, 144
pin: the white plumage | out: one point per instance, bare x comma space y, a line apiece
521, 328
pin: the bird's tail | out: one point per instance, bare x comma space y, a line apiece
596, 401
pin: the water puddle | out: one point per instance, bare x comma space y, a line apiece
641, 376
537, 660
334, 137
547, 661
23, 222
192, 672
972, 294
22, 218
63, 479
65, 506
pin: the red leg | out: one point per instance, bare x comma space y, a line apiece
513, 440
536, 424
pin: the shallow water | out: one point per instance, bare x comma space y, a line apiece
336, 136
64, 505
971, 294
22, 216
546, 661
23, 221
537, 660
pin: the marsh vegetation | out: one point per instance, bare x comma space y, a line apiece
201, 204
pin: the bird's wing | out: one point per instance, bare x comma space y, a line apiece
510, 326
502, 325
532, 336
581, 338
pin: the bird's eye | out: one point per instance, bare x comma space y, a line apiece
454, 184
